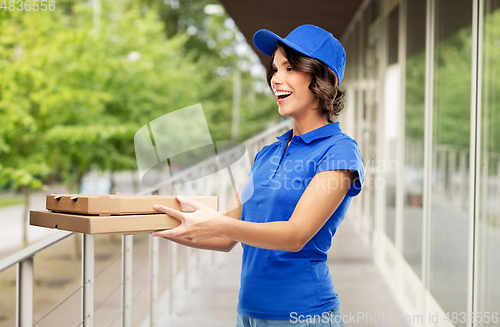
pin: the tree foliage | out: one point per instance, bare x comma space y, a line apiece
73, 90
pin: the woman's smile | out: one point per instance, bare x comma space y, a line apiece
282, 95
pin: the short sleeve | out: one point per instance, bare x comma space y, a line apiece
344, 155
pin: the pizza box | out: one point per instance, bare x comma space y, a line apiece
122, 224
120, 204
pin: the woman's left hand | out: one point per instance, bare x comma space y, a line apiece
195, 226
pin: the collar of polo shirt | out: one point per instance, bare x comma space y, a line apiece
319, 133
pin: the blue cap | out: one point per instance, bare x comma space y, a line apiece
313, 41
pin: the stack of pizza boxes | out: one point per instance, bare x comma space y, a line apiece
105, 214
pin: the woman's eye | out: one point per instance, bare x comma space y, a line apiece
289, 69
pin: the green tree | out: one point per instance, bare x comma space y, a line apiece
72, 97
74, 90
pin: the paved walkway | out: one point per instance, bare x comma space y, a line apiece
361, 288
363, 293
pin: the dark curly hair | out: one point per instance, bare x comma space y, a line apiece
324, 84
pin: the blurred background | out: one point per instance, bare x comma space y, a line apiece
422, 102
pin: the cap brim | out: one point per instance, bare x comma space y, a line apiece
266, 41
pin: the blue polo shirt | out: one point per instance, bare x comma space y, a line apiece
276, 283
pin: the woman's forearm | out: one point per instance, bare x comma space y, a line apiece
214, 244
278, 235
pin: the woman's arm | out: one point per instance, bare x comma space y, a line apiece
318, 202
214, 243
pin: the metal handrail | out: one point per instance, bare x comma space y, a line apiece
31, 250
24, 258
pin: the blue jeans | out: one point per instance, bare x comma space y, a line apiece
332, 318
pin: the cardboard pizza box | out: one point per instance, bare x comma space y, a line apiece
120, 204
122, 224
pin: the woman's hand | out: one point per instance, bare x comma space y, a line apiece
202, 224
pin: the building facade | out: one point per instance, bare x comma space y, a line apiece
422, 101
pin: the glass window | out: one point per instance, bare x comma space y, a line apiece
449, 220
391, 124
488, 191
414, 134
369, 109
348, 84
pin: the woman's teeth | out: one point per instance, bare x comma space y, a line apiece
282, 95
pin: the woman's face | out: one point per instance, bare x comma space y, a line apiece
291, 88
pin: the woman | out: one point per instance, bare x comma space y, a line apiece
296, 194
